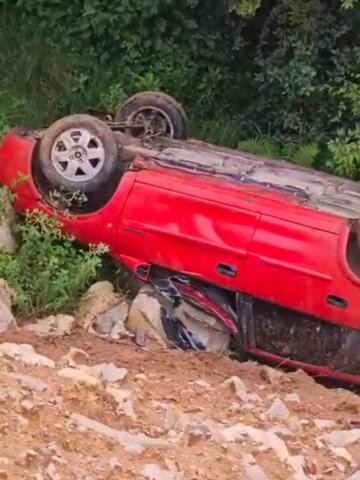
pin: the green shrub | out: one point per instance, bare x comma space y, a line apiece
282, 69
345, 150
301, 154
225, 131
48, 272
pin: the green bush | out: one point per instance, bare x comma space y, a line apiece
279, 69
345, 150
48, 272
292, 150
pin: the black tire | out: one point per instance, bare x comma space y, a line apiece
101, 136
172, 111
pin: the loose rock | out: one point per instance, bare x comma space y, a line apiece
100, 298
123, 438
341, 438
323, 424
53, 326
267, 439
341, 452
25, 353
124, 401
292, 397
7, 239
277, 411
154, 472
107, 372
112, 322
6, 316
254, 472
145, 314
354, 476
29, 382
270, 375
79, 376
238, 386
52, 473
74, 357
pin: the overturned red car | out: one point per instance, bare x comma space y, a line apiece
272, 249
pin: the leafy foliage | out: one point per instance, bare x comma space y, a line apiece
345, 149
302, 154
48, 272
276, 69
244, 7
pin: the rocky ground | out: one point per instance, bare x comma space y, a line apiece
99, 396
118, 411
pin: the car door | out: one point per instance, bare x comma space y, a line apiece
187, 225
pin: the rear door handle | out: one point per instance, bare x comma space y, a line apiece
336, 301
227, 270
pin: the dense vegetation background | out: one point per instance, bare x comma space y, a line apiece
277, 77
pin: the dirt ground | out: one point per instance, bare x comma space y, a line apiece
175, 397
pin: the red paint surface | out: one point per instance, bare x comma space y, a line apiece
283, 252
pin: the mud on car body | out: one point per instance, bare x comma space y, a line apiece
269, 248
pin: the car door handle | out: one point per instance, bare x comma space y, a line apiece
336, 301
227, 270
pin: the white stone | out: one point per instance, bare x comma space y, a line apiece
322, 423
69, 360
21, 422
238, 386
38, 476
267, 439
29, 382
354, 476
114, 463
170, 417
341, 452
294, 423
52, 326
52, 473
292, 397
107, 372
282, 432
248, 458
254, 472
277, 411
124, 401
112, 322
145, 315
341, 438
202, 384
98, 299
154, 472
27, 405
135, 449
122, 437
24, 353
270, 375
6, 316
340, 467
79, 376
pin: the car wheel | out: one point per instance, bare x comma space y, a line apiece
78, 152
157, 112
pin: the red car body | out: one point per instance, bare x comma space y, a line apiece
273, 244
